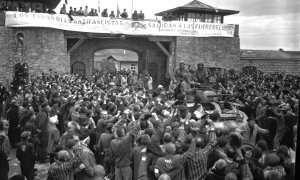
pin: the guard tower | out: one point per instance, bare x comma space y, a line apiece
197, 11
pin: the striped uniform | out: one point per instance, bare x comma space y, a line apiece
197, 162
121, 147
63, 170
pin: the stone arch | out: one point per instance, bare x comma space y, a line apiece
147, 51
139, 53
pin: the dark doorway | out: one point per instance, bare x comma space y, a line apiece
78, 68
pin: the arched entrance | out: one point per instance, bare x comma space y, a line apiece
78, 68
149, 54
116, 59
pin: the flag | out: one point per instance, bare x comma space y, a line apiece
216, 9
118, 10
98, 6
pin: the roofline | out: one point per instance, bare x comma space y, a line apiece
224, 12
263, 58
128, 61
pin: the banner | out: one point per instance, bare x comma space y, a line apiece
95, 24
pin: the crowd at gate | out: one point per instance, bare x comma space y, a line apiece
118, 126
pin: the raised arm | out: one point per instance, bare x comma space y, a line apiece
212, 137
245, 169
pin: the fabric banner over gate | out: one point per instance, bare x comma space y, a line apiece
95, 24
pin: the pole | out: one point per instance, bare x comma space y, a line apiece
99, 10
131, 6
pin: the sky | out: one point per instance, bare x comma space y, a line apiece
125, 54
263, 24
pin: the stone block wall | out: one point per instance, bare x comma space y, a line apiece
221, 52
43, 49
289, 66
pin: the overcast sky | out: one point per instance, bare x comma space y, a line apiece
264, 24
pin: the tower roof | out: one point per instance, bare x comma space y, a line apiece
197, 7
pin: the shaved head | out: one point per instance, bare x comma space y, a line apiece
62, 155
164, 177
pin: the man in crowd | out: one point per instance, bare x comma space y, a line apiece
86, 11
124, 14
64, 167
26, 155
112, 14
4, 149
42, 124
63, 10
141, 15
104, 13
135, 16
180, 72
200, 75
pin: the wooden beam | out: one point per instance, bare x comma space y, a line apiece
163, 48
76, 45
161, 38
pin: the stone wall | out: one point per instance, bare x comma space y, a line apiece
274, 65
43, 49
211, 51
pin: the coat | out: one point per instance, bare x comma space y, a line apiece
25, 154
13, 130
54, 137
248, 137
88, 159
42, 124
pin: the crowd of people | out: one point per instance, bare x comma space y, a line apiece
104, 13
24, 7
118, 126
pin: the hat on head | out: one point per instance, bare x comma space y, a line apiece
215, 116
70, 143
272, 159
14, 102
99, 171
182, 62
170, 148
182, 107
44, 105
25, 134
220, 165
160, 87
145, 139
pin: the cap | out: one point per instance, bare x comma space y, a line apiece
272, 159
112, 84
160, 87
70, 143
44, 105
25, 134
182, 107
182, 62
145, 139
170, 148
220, 165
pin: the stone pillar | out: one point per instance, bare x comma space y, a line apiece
144, 61
171, 61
